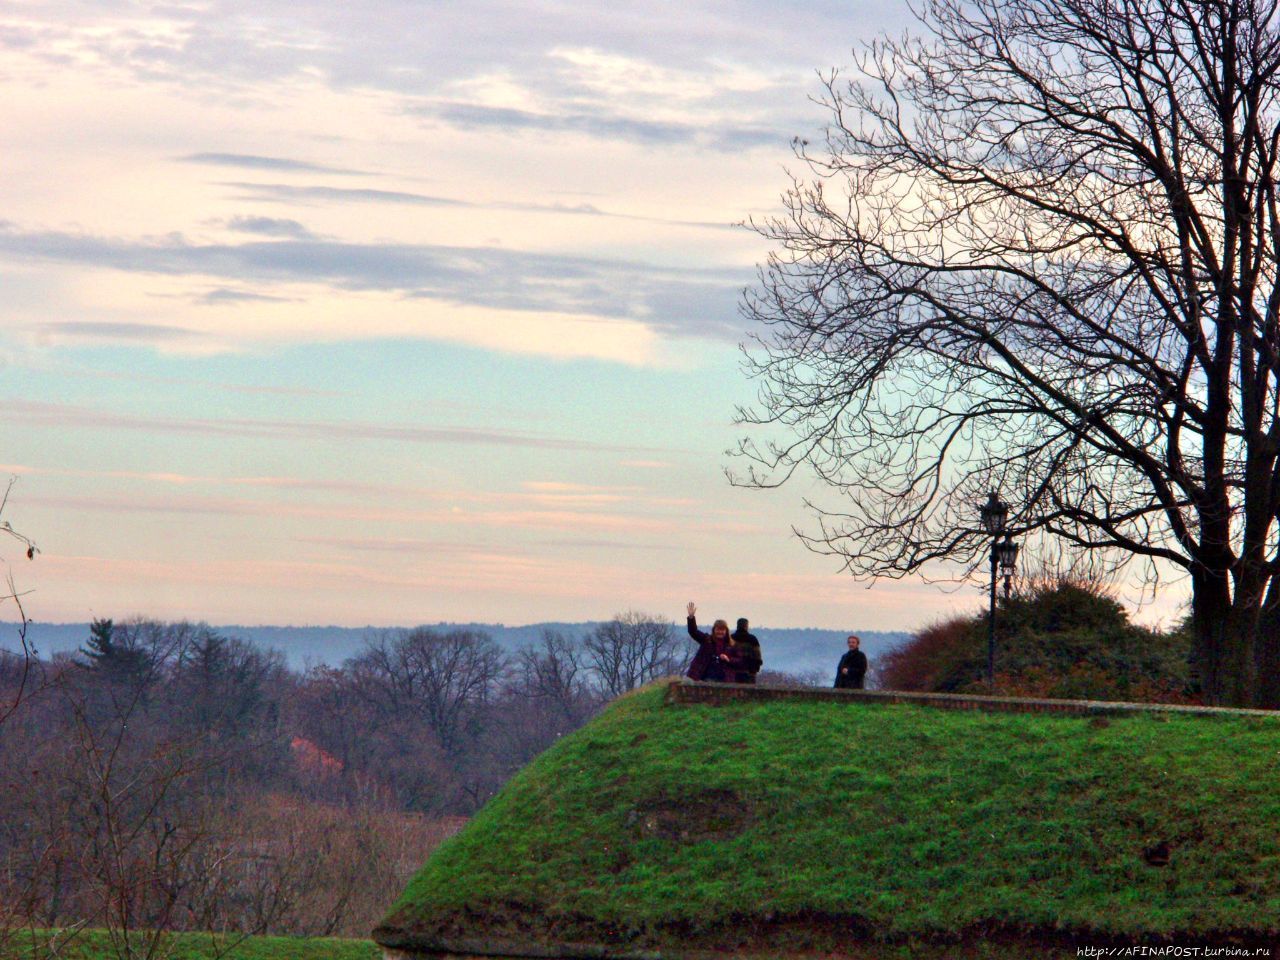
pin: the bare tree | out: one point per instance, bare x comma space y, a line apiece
169, 778
329, 709
632, 649
556, 672
550, 691
135, 760
1037, 253
17, 668
20, 674
140, 793
442, 677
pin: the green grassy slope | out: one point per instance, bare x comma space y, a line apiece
765, 825
97, 945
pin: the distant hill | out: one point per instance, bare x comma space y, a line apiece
796, 650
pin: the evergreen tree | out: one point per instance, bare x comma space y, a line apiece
101, 644
117, 655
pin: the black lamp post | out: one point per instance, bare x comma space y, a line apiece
994, 514
1007, 552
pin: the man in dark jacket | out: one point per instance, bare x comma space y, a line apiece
852, 672
745, 651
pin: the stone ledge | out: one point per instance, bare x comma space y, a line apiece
691, 691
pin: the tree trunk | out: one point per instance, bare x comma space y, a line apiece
1267, 657
1209, 607
1238, 673
1268, 649
1232, 650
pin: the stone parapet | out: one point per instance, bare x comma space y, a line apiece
691, 691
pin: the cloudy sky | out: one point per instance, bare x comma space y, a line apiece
394, 312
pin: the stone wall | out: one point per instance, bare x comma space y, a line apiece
689, 691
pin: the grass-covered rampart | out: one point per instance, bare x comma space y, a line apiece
790, 826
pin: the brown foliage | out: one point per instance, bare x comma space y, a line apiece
314, 869
923, 662
170, 778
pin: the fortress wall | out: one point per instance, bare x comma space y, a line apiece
689, 691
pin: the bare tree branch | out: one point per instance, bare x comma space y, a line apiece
1038, 252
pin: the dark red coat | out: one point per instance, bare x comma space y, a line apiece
706, 664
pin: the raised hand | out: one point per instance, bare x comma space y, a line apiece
691, 608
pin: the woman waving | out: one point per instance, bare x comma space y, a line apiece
713, 658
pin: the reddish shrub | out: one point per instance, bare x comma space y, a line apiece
312, 761
1061, 640
926, 661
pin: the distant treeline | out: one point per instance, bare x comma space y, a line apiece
794, 650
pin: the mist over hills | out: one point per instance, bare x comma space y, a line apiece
797, 650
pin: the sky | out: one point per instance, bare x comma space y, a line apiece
402, 312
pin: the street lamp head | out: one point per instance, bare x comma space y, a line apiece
1007, 553
994, 512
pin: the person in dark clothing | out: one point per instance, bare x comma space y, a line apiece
713, 659
852, 672
745, 650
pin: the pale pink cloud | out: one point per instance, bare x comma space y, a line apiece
454, 516
395, 545
451, 586
184, 480
557, 502
558, 486
34, 413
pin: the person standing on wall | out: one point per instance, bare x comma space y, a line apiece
744, 648
713, 661
852, 672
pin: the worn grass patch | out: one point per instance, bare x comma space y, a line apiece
739, 824
97, 945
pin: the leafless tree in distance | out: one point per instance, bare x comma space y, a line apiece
1036, 252
442, 676
632, 649
556, 672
